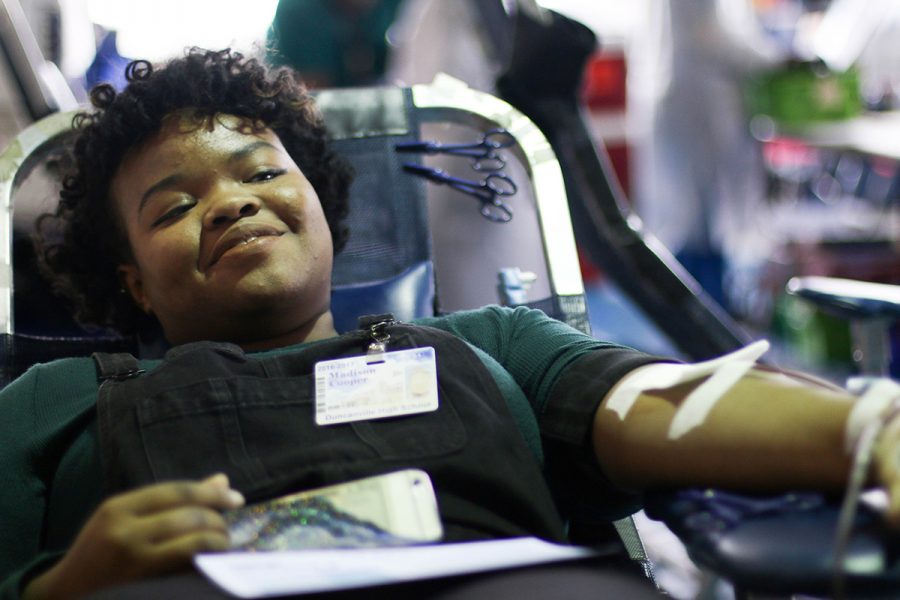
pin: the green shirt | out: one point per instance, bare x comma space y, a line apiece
50, 475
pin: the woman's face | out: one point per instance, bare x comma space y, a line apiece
227, 236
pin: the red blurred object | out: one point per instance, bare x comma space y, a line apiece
590, 273
604, 81
785, 153
603, 94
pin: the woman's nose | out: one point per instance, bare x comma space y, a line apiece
229, 207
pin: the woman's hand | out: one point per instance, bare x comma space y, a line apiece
150, 531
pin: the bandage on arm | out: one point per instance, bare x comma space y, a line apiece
875, 401
720, 375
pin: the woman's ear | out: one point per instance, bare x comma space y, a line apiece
130, 278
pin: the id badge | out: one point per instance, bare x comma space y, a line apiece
359, 388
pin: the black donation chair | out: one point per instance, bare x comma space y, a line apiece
390, 263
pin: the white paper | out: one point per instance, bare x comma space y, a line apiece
264, 574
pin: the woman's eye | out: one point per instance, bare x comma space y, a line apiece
266, 175
172, 214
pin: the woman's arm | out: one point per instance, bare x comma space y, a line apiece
769, 432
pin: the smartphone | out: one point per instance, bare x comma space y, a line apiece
393, 509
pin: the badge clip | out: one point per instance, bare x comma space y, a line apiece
378, 345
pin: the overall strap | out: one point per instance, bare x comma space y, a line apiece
111, 369
118, 366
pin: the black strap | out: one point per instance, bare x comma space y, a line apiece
118, 366
366, 321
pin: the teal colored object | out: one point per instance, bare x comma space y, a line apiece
338, 43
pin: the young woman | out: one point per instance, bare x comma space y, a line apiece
204, 200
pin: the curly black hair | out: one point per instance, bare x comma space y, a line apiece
82, 243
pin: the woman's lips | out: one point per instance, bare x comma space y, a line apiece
240, 235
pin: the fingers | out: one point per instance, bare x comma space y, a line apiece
138, 524
176, 520
180, 521
134, 522
213, 492
149, 531
178, 553
166, 542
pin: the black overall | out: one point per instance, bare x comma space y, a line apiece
209, 407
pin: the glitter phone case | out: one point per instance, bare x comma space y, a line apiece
395, 509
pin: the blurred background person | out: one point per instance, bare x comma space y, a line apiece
697, 175
338, 43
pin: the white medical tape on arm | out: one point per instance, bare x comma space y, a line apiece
666, 375
695, 408
873, 404
640, 380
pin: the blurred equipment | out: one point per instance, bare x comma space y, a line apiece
546, 60
872, 308
779, 546
44, 89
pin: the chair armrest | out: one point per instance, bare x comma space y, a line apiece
849, 298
